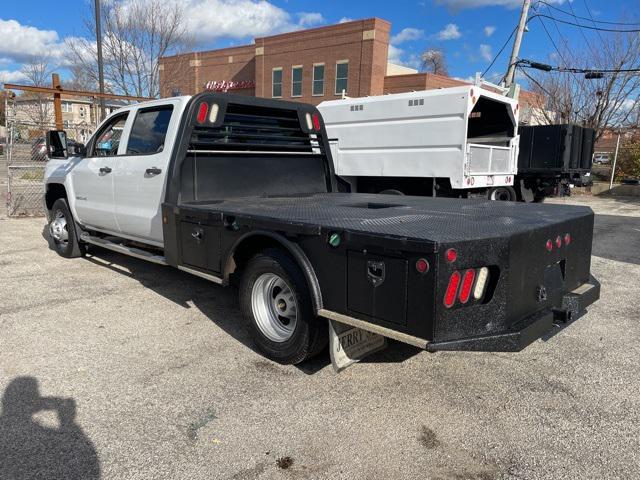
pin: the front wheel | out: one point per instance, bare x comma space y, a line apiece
275, 301
62, 231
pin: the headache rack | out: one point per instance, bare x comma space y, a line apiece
250, 128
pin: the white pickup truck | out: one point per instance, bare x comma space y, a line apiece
242, 190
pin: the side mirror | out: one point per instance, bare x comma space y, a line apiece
57, 144
77, 150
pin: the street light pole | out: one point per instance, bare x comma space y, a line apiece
511, 72
100, 64
615, 160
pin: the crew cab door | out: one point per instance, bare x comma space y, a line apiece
92, 177
140, 173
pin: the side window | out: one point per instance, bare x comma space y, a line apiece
108, 138
149, 130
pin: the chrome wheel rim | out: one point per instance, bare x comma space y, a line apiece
274, 307
58, 228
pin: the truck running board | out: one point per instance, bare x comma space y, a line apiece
117, 247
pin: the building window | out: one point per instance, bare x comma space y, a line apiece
296, 81
318, 79
67, 107
342, 76
276, 83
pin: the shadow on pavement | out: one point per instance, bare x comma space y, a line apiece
218, 304
30, 450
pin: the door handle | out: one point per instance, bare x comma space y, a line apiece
153, 171
105, 169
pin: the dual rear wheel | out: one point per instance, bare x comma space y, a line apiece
275, 301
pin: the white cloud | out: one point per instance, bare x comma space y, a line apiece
407, 34
309, 19
396, 56
485, 52
464, 4
345, 20
489, 30
209, 20
450, 32
15, 76
469, 79
19, 42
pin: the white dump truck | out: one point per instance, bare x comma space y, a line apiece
458, 142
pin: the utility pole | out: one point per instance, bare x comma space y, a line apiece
100, 64
511, 72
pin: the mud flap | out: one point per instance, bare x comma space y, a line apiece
349, 345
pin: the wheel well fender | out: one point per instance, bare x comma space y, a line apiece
54, 191
253, 242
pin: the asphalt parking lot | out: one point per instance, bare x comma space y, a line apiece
114, 368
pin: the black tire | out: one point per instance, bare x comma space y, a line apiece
71, 248
505, 194
310, 333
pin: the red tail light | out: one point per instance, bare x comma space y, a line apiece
452, 290
567, 239
558, 241
316, 122
451, 255
422, 265
549, 245
467, 285
203, 108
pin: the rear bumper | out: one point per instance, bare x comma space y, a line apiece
531, 328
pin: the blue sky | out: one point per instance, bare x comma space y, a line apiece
469, 31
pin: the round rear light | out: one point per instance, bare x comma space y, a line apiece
549, 245
567, 239
558, 241
422, 266
451, 255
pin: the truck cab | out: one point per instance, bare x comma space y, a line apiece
118, 186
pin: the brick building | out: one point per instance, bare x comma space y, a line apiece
308, 65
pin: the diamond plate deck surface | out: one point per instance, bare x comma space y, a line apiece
416, 218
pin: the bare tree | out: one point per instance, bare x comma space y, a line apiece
37, 107
433, 61
136, 34
598, 103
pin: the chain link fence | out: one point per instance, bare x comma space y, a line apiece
25, 155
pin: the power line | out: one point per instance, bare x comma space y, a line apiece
583, 34
553, 42
552, 68
635, 30
585, 18
500, 51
